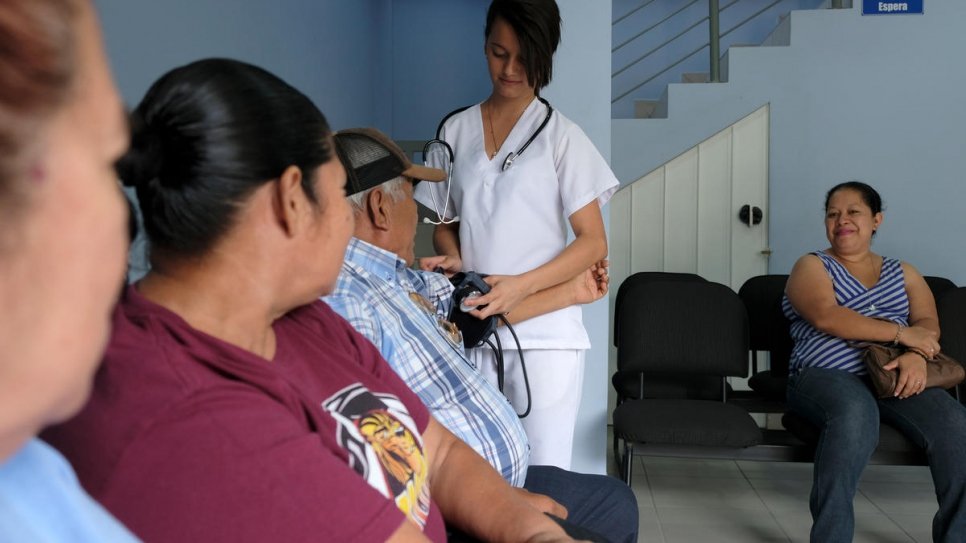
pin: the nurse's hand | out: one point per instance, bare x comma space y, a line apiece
450, 264
506, 292
591, 285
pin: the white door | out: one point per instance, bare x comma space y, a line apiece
686, 216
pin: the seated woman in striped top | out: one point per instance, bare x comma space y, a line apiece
845, 293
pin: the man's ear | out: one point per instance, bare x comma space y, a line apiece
379, 209
291, 203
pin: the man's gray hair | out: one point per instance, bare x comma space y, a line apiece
392, 188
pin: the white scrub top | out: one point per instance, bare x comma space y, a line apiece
514, 221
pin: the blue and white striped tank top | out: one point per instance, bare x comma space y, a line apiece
887, 299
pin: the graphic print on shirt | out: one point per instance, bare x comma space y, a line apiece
384, 447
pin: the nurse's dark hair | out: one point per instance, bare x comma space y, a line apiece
869, 195
204, 138
37, 74
537, 26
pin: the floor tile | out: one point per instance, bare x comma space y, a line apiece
896, 474
901, 498
775, 470
691, 467
684, 500
874, 528
784, 496
869, 528
689, 525
650, 528
697, 492
919, 527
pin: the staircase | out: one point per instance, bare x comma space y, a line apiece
705, 107
660, 42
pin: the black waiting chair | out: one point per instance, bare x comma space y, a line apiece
952, 323
939, 286
627, 383
689, 330
762, 296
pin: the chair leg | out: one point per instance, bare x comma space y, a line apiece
628, 462
617, 453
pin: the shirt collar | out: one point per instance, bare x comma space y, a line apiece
377, 261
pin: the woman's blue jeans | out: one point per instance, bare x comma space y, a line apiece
844, 408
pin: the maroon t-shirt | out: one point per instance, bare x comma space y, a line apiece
189, 438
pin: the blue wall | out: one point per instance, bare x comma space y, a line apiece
437, 62
329, 49
581, 90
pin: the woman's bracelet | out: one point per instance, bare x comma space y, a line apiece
895, 342
918, 352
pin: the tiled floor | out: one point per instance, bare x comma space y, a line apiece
723, 501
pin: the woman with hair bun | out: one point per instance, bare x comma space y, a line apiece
233, 405
62, 246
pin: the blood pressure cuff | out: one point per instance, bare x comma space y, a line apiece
475, 331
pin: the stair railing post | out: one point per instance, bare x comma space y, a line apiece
715, 46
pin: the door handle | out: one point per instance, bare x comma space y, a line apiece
750, 215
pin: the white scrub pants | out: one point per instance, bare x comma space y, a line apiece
556, 378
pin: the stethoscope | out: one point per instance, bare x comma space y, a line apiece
439, 143
513, 156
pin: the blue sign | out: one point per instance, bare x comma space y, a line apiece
878, 7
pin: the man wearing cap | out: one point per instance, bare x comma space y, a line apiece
403, 312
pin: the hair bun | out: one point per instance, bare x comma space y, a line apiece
142, 163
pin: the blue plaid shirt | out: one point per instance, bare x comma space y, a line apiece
403, 313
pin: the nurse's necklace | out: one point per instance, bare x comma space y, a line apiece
513, 156
489, 120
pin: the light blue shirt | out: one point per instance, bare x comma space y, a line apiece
41, 501
380, 296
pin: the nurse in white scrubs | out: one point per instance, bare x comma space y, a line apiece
522, 174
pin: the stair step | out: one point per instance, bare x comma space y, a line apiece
695, 77
644, 109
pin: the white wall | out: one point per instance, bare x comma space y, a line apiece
877, 98
581, 90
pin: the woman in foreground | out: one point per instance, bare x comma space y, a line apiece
62, 253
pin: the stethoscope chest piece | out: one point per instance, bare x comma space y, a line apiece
508, 161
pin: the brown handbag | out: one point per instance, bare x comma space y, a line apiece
941, 371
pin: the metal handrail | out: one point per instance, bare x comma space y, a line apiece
714, 40
632, 12
669, 40
757, 13
649, 79
692, 53
649, 53
652, 27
